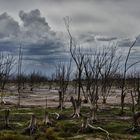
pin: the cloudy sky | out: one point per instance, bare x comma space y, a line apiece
39, 27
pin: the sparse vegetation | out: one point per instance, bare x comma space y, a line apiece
66, 127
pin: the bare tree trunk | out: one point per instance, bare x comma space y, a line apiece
133, 102
103, 94
79, 85
93, 112
19, 75
122, 103
138, 101
138, 91
7, 114
77, 107
46, 120
104, 100
46, 103
85, 94
2, 100
33, 125
19, 96
126, 68
136, 123
136, 119
61, 100
84, 125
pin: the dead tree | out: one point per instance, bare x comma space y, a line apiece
6, 65
132, 84
92, 66
136, 123
126, 68
133, 101
46, 120
108, 71
7, 114
78, 58
62, 77
136, 87
35, 79
32, 125
24, 79
136, 119
76, 107
86, 124
19, 76
32, 80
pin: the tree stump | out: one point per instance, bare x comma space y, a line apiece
76, 106
46, 120
32, 125
6, 118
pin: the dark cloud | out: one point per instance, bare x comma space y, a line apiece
42, 44
33, 18
35, 27
8, 27
96, 22
35, 36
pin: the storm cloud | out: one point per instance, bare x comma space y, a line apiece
8, 27
39, 26
35, 36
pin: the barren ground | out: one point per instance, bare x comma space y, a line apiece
38, 96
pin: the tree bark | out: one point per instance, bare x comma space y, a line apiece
46, 120
7, 114
32, 125
61, 100
122, 103
77, 107
93, 112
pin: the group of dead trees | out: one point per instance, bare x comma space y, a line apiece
11, 71
63, 72
24, 81
6, 65
96, 71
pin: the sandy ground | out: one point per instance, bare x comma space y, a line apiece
38, 97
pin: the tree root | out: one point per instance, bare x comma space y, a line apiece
76, 107
86, 124
133, 129
57, 115
76, 115
99, 128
